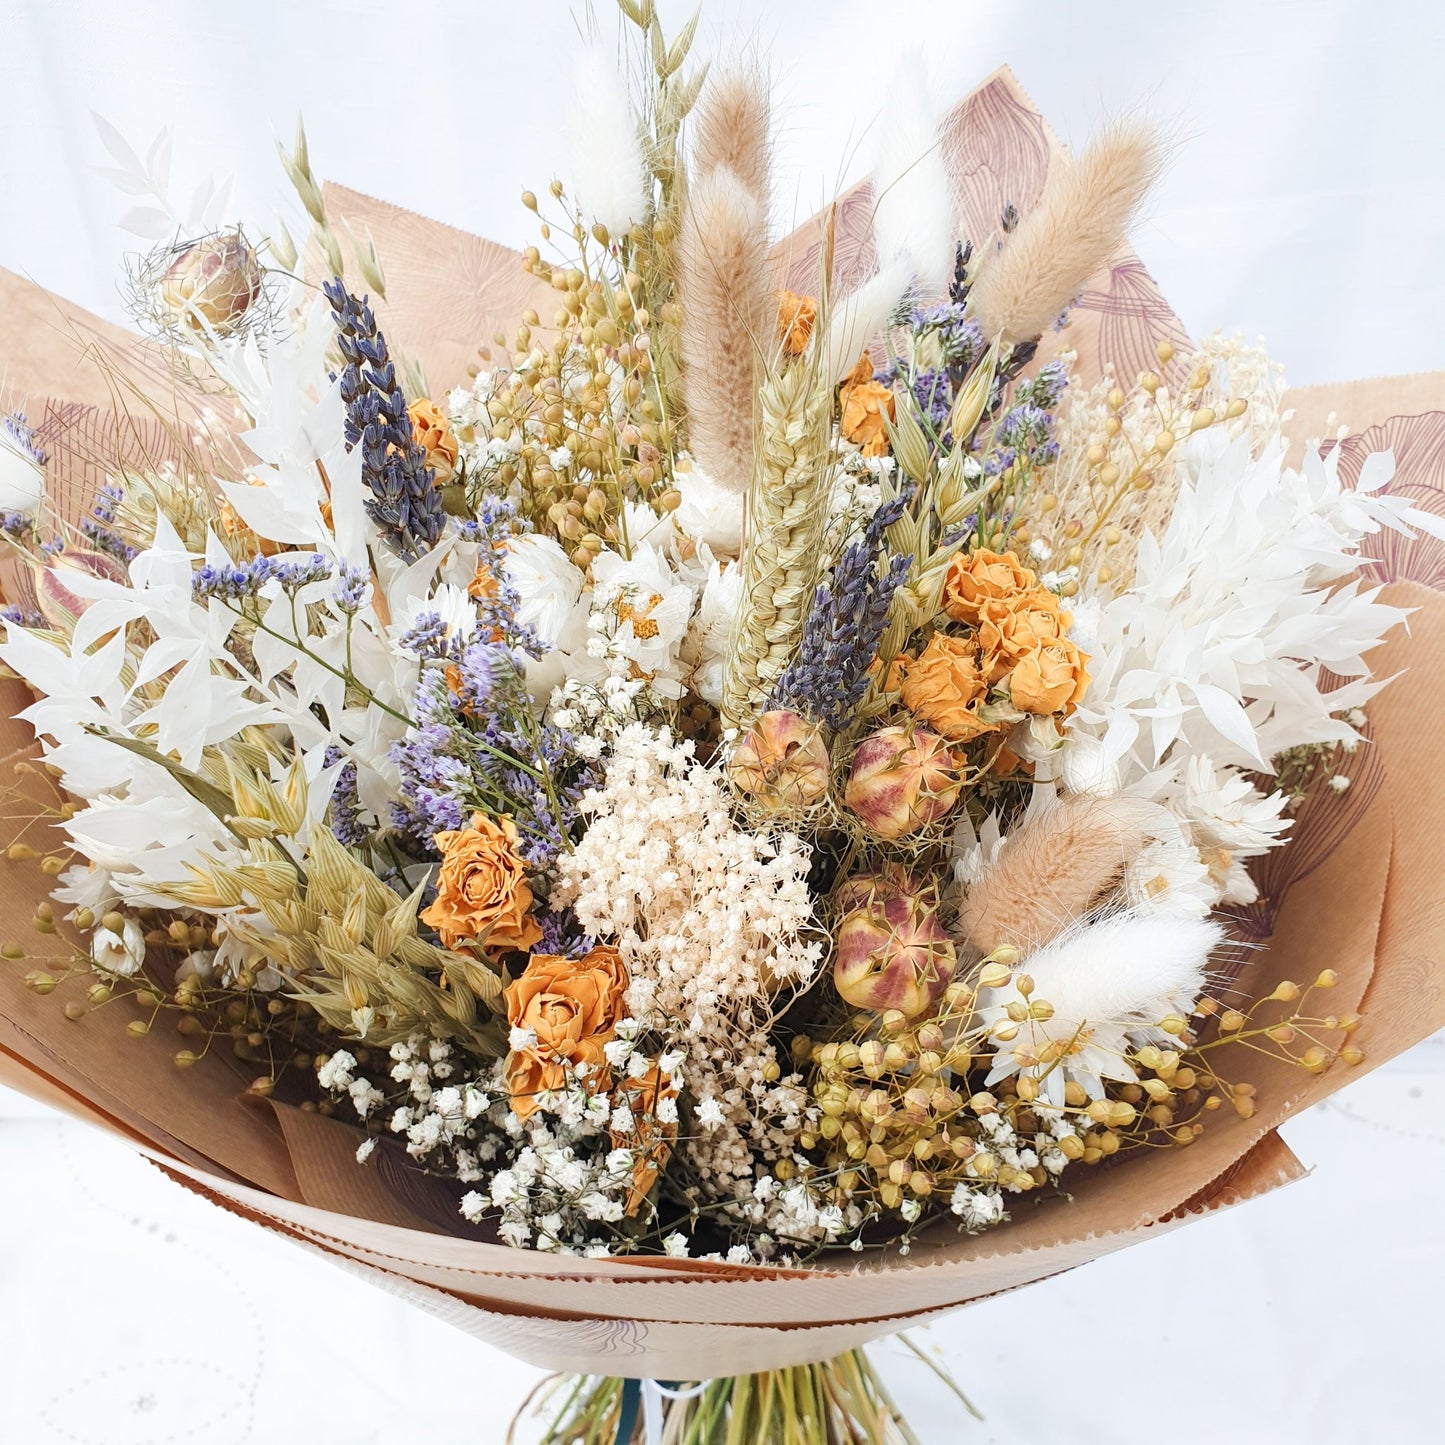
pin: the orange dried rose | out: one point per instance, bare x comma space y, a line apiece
649, 1139
797, 315
981, 576
484, 585
1050, 678
571, 1006
482, 889
433, 434
1012, 626
945, 687
866, 404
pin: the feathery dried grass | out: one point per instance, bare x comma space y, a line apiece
912, 204
1053, 869
725, 288
730, 132
1080, 220
860, 316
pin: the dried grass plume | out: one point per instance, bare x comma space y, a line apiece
1080, 221
725, 277
1053, 869
730, 130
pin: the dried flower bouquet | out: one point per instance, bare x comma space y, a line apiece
749, 774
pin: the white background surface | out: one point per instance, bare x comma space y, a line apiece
1306, 201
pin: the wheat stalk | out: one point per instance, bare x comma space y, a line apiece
787, 516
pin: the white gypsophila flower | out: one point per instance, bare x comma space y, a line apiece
715, 924
709, 1114
978, 1207
336, 1072
364, 1150
708, 513
120, 952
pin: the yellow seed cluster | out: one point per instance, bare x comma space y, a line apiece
588, 384
1095, 523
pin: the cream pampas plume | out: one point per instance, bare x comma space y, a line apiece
1054, 868
730, 130
725, 280
606, 145
1080, 221
912, 205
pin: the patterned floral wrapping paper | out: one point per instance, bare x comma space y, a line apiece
1359, 889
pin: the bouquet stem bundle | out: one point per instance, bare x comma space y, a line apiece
840, 1400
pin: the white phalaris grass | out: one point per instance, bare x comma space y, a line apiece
606, 144
1111, 982
912, 210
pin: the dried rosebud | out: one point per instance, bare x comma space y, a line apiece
60, 604
212, 282
902, 780
893, 953
782, 763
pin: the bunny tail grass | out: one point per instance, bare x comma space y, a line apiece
1080, 221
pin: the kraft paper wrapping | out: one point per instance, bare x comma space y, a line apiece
1358, 889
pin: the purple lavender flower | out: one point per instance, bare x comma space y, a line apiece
296, 572
405, 503
933, 391
562, 935
346, 818
98, 528
1026, 435
829, 676
16, 524
23, 435
426, 637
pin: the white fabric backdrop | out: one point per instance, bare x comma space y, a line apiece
1305, 202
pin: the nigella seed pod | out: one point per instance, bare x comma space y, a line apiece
875, 885
782, 763
55, 584
212, 282
893, 953
902, 779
